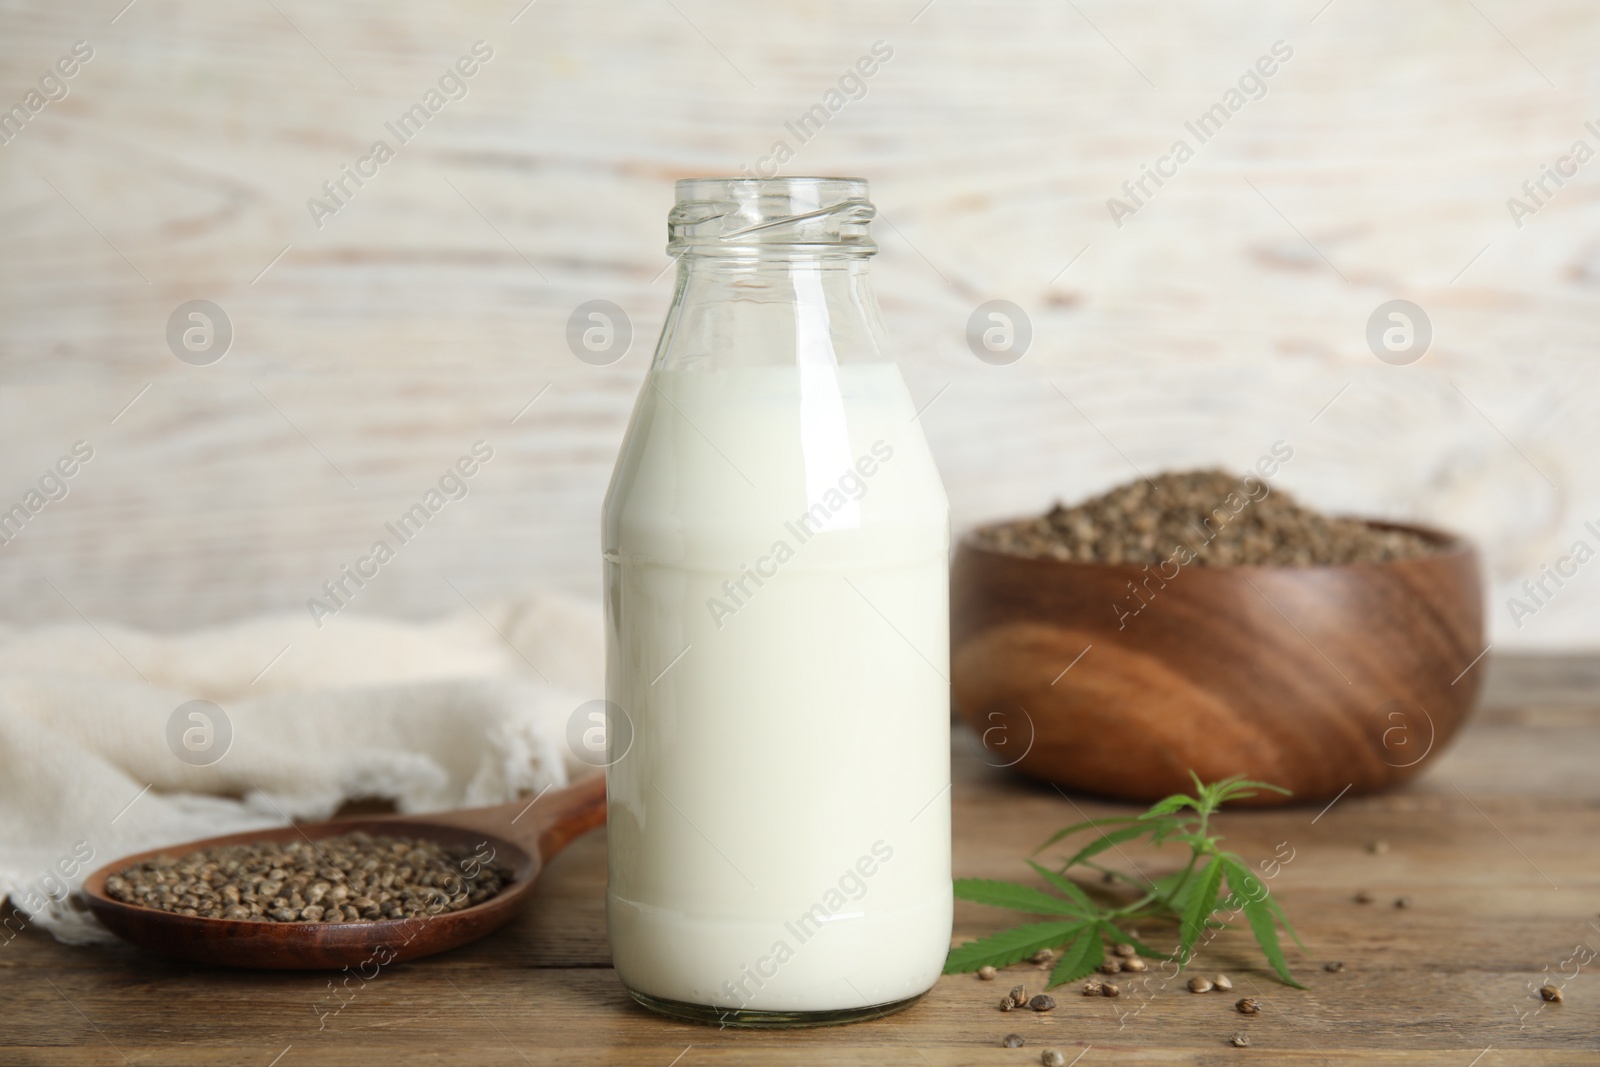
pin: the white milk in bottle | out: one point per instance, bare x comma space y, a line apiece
776, 557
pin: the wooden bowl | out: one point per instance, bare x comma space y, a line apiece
1315, 678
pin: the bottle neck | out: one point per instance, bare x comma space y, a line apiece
779, 307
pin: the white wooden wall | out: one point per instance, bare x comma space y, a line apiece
1226, 314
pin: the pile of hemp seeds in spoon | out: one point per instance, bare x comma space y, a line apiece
1216, 518
357, 877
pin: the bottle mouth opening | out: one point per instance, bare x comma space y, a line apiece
719, 216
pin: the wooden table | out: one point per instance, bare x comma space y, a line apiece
1495, 847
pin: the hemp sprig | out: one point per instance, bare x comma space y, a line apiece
1192, 896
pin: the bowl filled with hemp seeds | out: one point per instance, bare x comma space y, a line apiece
1203, 620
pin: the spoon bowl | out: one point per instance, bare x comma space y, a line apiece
521, 835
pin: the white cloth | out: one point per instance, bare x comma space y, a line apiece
468, 710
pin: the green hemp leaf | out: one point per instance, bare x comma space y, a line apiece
1192, 898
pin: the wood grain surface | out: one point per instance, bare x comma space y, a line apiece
1120, 679
1228, 313
1494, 846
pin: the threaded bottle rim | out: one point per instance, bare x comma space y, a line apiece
743, 216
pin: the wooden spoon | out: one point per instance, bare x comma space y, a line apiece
523, 837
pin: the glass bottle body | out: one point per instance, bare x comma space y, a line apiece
776, 557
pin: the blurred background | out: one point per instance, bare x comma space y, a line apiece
1395, 152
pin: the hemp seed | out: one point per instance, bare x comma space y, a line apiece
1092, 988
1239, 1040
1052, 1058
1134, 963
1197, 984
1247, 1006
303, 881
1013, 1041
1222, 983
1333, 968
1550, 993
1109, 990
1111, 967
1006, 1004
987, 973
1019, 996
1364, 897
1124, 949
1042, 1002
1147, 521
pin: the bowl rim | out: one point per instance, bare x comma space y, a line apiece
1448, 545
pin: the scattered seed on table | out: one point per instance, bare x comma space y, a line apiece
1019, 996
1135, 964
1248, 1006
1377, 847
1006, 1004
1551, 993
1197, 984
1109, 990
1402, 902
1333, 968
1363, 897
1111, 967
1052, 1058
987, 973
1042, 1002
1223, 983
1239, 1040
1013, 1041
1124, 949
1044, 955
1092, 988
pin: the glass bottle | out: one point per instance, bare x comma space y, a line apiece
776, 544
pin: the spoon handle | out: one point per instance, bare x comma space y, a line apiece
544, 825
